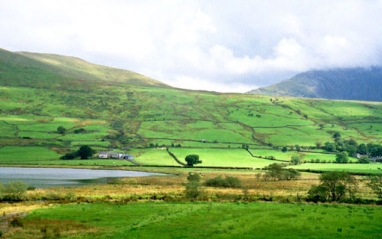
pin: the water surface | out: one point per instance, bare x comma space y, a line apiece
64, 177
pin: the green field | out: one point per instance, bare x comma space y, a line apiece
374, 168
208, 220
27, 155
222, 157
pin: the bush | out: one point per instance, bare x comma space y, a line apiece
67, 156
227, 182
193, 190
364, 159
295, 160
13, 191
84, 152
194, 177
61, 130
31, 188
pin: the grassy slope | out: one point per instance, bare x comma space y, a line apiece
40, 92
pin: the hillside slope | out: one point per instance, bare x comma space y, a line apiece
343, 84
37, 98
48, 70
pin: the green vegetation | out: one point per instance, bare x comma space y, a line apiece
192, 159
334, 186
197, 220
13, 191
227, 182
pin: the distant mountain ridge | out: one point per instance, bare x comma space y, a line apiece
342, 84
49, 70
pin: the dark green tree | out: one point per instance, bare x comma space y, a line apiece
362, 149
284, 149
61, 130
337, 135
364, 159
342, 157
334, 186
351, 149
192, 159
85, 152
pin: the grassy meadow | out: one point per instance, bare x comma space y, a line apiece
212, 220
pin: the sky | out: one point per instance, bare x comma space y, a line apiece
216, 45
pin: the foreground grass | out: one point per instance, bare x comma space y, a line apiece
204, 220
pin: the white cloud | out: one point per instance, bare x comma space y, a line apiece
217, 44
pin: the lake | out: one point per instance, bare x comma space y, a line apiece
64, 177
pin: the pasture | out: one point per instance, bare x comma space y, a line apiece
203, 219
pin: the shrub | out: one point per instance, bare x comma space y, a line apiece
61, 130
227, 182
194, 177
13, 191
71, 155
295, 160
364, 159
31, 188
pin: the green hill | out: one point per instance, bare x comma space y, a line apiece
47, 71
40, 92
343, 84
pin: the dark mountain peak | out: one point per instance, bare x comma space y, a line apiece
339, 83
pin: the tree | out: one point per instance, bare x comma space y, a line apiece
337, 135
351, 149
298, 147
290, 173
61, 130
362, 149
364, 159
295, 159
192, 159
330, 147
334, 186
318, 144
284, 149
85, 152
342, 157
193, 186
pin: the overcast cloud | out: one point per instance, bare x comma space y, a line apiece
228, 46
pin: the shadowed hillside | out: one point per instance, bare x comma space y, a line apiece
344, 84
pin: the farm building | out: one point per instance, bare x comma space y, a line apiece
112, 155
